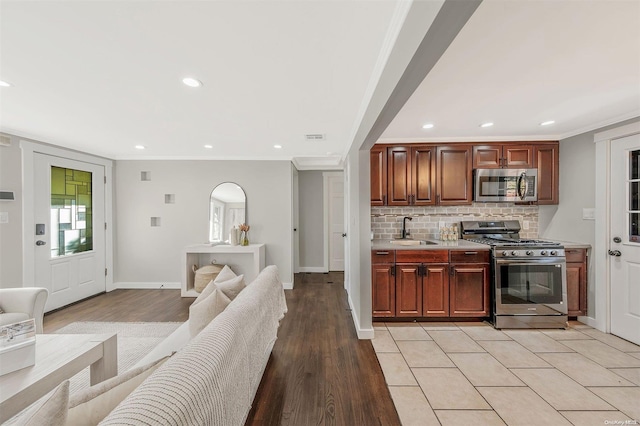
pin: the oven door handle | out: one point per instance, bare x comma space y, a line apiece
522, 178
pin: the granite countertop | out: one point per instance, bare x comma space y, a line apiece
571, 244
440, 245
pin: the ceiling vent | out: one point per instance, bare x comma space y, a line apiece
315, 137
5, 140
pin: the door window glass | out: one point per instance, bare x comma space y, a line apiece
634, 196
71, 214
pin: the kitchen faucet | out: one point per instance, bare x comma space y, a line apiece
404, 226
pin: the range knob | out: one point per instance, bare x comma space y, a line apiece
529, 252
515, 253
505, 253
543, 252
553, 252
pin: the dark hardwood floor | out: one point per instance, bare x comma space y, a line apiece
319, 373
123, 305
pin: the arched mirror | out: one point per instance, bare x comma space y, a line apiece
227, 208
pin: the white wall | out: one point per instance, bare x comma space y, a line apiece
311, 220
577, 191
11, 233
152, 255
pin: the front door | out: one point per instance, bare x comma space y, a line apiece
624, 247
69, 229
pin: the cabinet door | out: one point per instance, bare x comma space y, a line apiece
576, 289
469, 290
408, 290
487, 156
455, 177
383, 291
378, 176
517, 156
399, 176
546, 160
435, 293
423, 175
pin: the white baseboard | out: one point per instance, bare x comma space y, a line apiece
363, 333
317, 269
146, 285
287, 286
590, 322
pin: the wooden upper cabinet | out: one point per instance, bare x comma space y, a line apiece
454, 175
379, 176
546, 160
496, 156
411, 172
399, 176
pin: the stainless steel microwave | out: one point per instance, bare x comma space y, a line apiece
505, 185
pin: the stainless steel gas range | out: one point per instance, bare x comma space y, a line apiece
529, 276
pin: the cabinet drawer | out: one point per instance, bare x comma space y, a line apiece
383, 256
473, 256
422, 256
575, 255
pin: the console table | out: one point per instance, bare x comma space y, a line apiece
248, 260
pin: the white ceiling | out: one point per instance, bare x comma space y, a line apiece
520, 63
102, 77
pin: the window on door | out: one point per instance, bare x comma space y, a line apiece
634, 196
71, 215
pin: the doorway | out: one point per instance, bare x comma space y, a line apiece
624, 237
68, 226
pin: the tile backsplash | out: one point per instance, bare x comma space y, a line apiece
386, 222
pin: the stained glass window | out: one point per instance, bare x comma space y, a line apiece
71, 214
634, 196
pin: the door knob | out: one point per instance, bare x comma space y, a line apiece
616, 253
344, 235
40, 243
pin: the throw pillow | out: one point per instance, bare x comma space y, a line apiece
225, 275
231, 288
90, 406
49, 410
201, 314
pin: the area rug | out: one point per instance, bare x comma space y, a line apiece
135, 340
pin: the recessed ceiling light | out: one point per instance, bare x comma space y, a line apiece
192, 82
428, 126
4, 84
277, 146
209, 146
546, 123
486, 125
140, 147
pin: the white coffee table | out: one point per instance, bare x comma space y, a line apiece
58, 357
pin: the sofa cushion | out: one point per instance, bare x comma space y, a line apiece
91, 405
50, 410
10, 318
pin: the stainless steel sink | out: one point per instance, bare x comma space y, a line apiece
408, 242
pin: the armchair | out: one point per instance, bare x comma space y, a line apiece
23, 303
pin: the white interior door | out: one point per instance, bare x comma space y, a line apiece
624, 247
336, 222
69, 229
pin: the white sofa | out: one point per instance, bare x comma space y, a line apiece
213, 379
22, 303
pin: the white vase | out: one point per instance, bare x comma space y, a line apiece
233, 236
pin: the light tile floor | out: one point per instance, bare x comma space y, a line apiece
470, 373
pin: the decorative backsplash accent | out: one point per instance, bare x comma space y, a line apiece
386, 222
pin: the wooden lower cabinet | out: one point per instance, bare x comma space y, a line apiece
576, 282
469, 290
431, 288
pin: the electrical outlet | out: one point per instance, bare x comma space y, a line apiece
441, 224
525, 224
4, 217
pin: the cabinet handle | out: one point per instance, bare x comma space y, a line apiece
438, 198
469, 253
452, 271
393, 270
382, 253
384, 200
